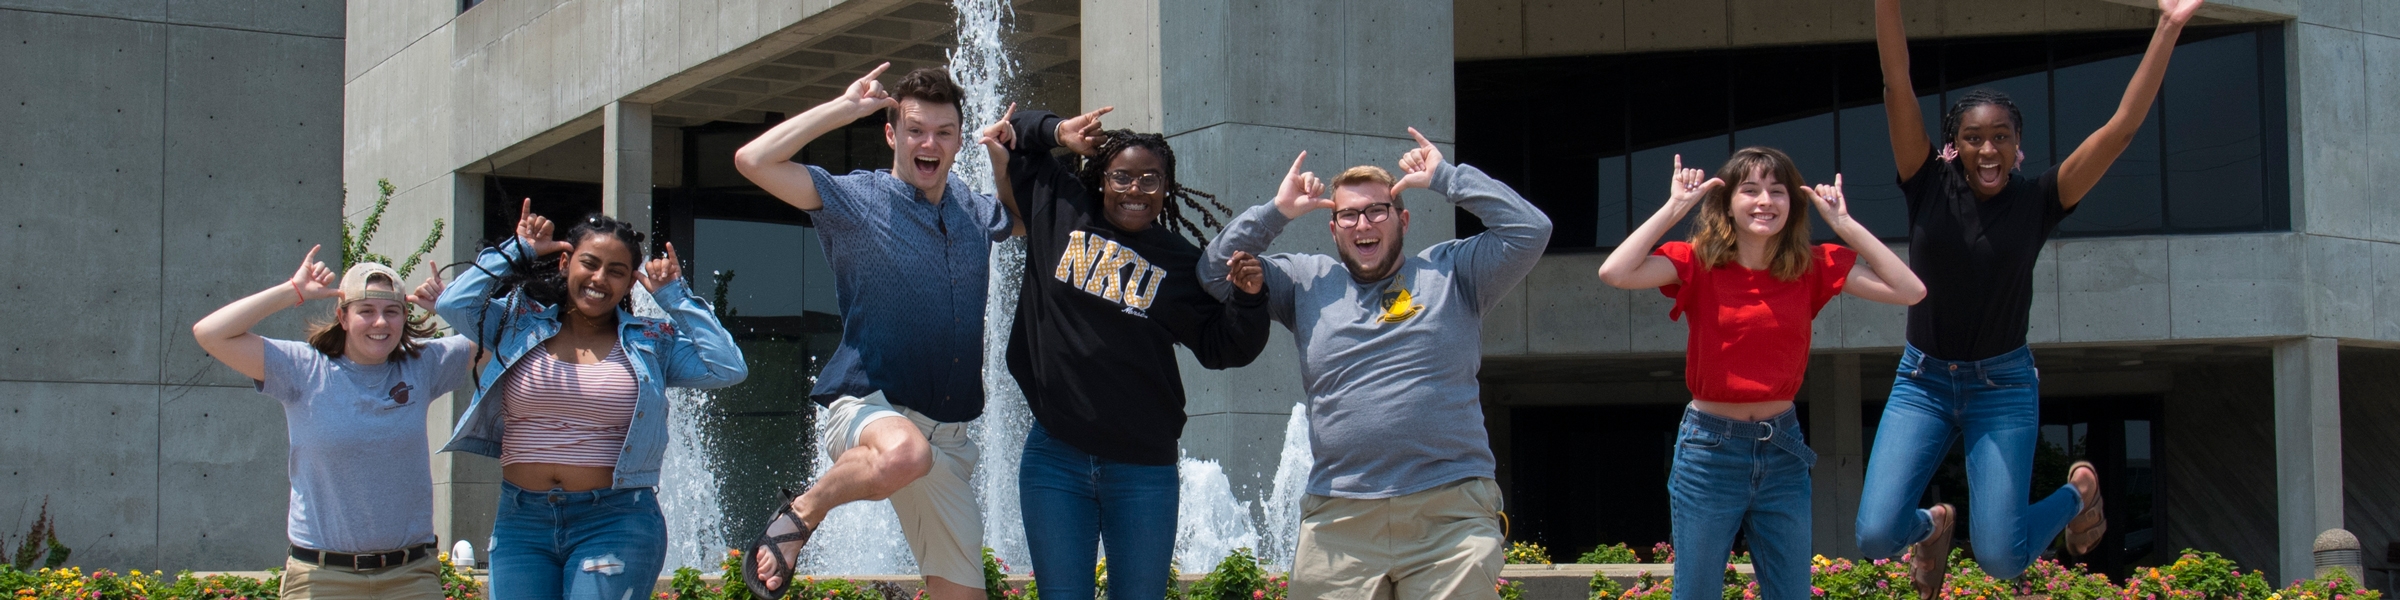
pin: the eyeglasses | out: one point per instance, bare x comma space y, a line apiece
1375, 213
1123, 182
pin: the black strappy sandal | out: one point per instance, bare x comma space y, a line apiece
792, 531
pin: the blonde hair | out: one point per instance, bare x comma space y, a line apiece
1788, 254
1365, 174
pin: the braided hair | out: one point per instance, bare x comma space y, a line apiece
1958, 111
1095, 170
530, 279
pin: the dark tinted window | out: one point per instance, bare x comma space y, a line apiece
2206, 159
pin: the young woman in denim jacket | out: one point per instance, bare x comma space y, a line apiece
579, 373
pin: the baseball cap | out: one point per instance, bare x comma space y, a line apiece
354, 284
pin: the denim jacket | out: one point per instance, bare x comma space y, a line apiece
690, 350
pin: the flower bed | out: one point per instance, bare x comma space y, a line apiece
2196, 575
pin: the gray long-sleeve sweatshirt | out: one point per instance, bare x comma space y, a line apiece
1390, 366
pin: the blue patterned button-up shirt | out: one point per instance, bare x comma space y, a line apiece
910, 277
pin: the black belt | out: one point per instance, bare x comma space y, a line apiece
361, 562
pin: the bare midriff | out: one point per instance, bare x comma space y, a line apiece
543, 477
1740, 411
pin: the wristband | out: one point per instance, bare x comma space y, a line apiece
303, 298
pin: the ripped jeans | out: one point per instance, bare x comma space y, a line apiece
559, 545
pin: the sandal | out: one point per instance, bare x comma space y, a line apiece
793, 532
1929, 560
2084, 531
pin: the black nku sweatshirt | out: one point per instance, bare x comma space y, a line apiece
1101, 310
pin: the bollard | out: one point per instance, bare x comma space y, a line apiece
2338, 549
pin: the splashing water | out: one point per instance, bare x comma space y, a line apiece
1209, 521
1282, 510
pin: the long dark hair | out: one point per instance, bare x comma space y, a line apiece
531, 279
1115, 141
1958, 110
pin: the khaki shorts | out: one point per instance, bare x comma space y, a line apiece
420, 580
938, 512
1439, 543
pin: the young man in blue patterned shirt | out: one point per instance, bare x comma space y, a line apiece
910, 248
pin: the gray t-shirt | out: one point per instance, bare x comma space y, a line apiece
1389, 366
362, 478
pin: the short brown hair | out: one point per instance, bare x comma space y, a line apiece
1789, 254
331, 339
931, 85
1366, 174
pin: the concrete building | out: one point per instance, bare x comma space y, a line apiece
161, 159
2202, 355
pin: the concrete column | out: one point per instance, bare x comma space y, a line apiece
1120, 62
1240, 88
625, 168
1835, 427
2308, 449
464, 485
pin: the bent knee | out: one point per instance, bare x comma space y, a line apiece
1880, 538
2002, 564
904, 463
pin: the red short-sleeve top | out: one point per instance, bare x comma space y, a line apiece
1750, 331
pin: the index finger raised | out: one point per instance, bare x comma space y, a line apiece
876, 72
1296, 162
526, 210
1421, 141
312, 255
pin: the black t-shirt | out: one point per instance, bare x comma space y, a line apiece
1976, 258
1094, 342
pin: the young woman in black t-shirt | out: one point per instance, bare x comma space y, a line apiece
1975, 230
1110, 288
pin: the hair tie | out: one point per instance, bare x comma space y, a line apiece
2020, 159
1949, 152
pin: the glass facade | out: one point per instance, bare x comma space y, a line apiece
1590, 139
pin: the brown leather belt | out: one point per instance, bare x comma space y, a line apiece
362, 562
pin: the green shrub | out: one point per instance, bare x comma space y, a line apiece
1239, 577
1528, 553
1609, 554
1603, 588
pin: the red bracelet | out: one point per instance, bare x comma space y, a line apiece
296, 292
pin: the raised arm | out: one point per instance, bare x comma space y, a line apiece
1907, 123
1515, 232
1631, 266
2082, 169
767, 161
1256, 228
465, 304
226, 335
1885, 279
701, 354
1229, 333
997, 138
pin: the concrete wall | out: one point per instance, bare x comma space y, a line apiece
162, 158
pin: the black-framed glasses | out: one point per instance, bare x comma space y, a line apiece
1375, 213
1147, 183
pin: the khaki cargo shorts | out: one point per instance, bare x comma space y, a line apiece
938, 513
1443, 542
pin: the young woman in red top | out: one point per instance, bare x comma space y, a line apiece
1752, 284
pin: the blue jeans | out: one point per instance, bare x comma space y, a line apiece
1072, 501
1734, 476
596, 545
1996, 404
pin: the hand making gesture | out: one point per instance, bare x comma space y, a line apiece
2178, 12
1417, 165
431, 290
1689, 186
865, 96
999, 137
1081, 134
1246, 272
1300, 191
662, 270
313, 281
534, 232
1829, 201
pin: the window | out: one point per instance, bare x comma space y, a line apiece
1590, 139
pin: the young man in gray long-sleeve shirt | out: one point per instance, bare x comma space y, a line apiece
1401, 499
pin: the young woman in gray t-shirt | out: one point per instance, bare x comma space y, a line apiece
354, 393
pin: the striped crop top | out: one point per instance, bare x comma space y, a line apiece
562, 413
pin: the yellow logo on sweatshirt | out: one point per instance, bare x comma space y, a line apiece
1398, 305
1099, 266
